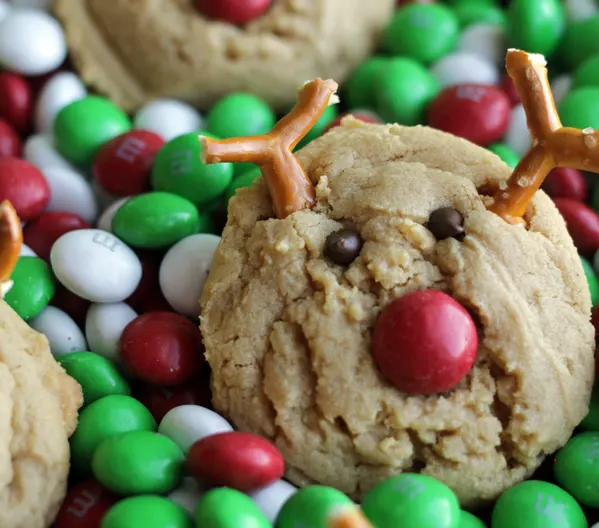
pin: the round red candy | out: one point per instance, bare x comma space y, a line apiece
10, 142
148, 287
424, 342
478, 113
16, 101
24, 186
238, 460
84, 506
233, 11
360, 116
41, 233
564, 182
509, 88
582, 223
162, 348
122, 166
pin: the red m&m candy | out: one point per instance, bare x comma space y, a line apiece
10, 142
564, 182
85, 505
478, 113
16, 101
122, 166
582, 223
508, 86
24, 186
233, 11
424, 342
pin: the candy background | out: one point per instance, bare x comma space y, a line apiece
78, 169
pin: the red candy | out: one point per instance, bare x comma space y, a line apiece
478, 113
595, 321
162, 348
239, 460
564, 182
582, 223
424, 342
122, 166
84, 506
24, 186
360, 116
16, 101
233, 11
41, 233
508, 86
71, 304
10, 143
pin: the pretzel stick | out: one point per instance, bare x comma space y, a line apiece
552, 144
349, 518
11, 240
290, 188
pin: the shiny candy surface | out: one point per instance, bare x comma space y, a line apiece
149, 511
24, 186
64, 335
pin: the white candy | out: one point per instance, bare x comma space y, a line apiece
187, 424
62, 332
95, 265
271, 498
517, 136
26, 251
31, 42
36, 4
4, 9
184, 270
561, 86
581, 9
462, 67
485, 40
61, 89
169, 118
105, 220
187, 494
69, 191
104, 324
39, 150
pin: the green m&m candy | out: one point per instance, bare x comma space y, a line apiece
33, 287
403, 91
156, 220
149, 511
580, 41
138, 462
471, 12
229, 508
537, 504
576, 468
412, 500
105, 418
423, 32
592, 280
507, 155
240, 114
535, 25
245, 180
329, 114
97, 375
587, 74
591, 420
359, 88
178, 169
83, 126
580, 108
467, 520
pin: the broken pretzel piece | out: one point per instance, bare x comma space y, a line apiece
290, 188
552, 144
11, 240
349, 518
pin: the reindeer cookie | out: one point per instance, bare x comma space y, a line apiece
396, 299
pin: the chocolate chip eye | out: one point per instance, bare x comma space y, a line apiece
445, 223
343, 246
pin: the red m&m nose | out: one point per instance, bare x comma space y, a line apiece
233, 11
424, 342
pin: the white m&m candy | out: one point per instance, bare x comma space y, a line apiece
464, 67
69, 191
169, 118
61, 90
104, 324
62, 332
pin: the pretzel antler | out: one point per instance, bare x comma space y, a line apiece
290, 188
11, 240
552, 144
349, 518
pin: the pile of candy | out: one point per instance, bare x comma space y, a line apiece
120, 224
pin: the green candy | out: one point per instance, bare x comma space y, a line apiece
412, 500
591, 420
477, 12
587, 74
580, 41
138, 462
97, 375
33, 287
535, 25
312, 506
576, 468
83, 126
359, 88
580, 108
329, 114
403, 91
156, 220
229, 508
103, 419
537, 504
240, 114
146, 511
507, 155
592, 280
178, 169
245, 180
423, 32
242, 168
467, 520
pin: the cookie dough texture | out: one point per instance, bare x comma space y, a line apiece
135, 50
38, 412
287, 333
